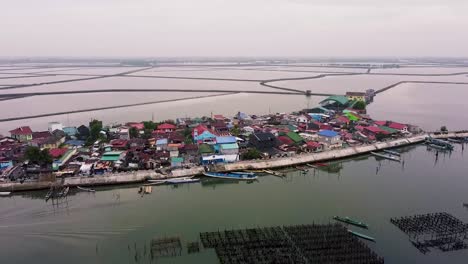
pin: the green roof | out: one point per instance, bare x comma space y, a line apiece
230, 146
110, 158
389, 129
351, 116
177, 159
205, 148
295, 137
341, 99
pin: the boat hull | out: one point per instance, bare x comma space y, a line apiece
230, 176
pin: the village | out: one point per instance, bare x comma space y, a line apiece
93, 150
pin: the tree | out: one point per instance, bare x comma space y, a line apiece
359, 105
235, 131
443, 129
133, 132
95, 127
188, 139
37, 156
149, 125
251, 154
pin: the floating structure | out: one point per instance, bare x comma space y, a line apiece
230, 176
437, 230
193, 247
354, 233
314, 243
394, 153
85, 189
386, 156
57, 192
350, 221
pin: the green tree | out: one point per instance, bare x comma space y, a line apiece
359, 105
95, 127
133, 132
188, 139
235, 131
251, 154
443, 129
37, 156
150, 125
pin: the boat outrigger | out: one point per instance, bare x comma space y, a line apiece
361, 235
386, 156
231, 176
350, 221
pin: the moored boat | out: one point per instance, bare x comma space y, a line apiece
350, 221
392, 152
182, 180
274, 173
386, 156
361, 235
85, 189
243, 173
454, 140
5, 193
230, 176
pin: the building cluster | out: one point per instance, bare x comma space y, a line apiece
188, 142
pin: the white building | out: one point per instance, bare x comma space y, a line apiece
55, 126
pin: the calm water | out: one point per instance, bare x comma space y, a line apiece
107, 226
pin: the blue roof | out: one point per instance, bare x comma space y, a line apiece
226, 140
162, 141
328, 133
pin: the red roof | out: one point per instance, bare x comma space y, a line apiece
166, 126
200, 129
343, 119
218, 117
285, 140
138, 126
359, 128
313, 144
119, 143
57, 152
24, 130
397, 126
380, 123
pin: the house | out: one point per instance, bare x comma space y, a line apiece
57, 152
75, 143
173, 149
330, 138
70, 131
230, 152
161, 144
55, 126
22, 134
313, 146
401, 127
219, 117
295, 137
119, 144
302, 119
335, 102
201, 134
41, 134
205, 149
123, 132
5, 163
263, 140
166, 127
212, 159
137, 126
176, 162
59, 135
374, 130
284, 140
356, 96
113, 156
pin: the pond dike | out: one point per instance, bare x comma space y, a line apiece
143, 175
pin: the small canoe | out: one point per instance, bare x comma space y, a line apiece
361, 235
386, 156
243, 173
85, 189
392, 152
274, 173
302, 169
182, 180
230, 176
350, 221
5, 193
312, 166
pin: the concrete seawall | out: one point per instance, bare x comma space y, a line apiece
141, 176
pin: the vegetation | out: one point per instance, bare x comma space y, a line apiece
443, 129
359, 105
37, 156
95, 128
251, 154
235, 131
150, 125
188, 136
133, 132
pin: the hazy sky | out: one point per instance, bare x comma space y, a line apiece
234, 28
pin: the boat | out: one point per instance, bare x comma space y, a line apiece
312, 166
230, 176
392, 152
85, 189
5, 193
454, 140
50, 194
302, 169
361, 235
182, 180
439, 147
64, 192
274, 173
322, 164
350, 221
148, 189
442, 143
386, 156
243, 173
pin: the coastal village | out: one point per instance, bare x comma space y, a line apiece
92, 150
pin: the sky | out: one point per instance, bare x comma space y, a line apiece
231, 28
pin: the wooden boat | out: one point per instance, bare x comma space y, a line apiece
230, 176
182, 180
50, 194
361, 235
243, 173
386, 156
301, 169
5, 193
85, 189
312, 166
350, 221
392, 152
274, 173
454, 140
442, 143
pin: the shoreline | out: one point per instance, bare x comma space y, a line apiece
142, 175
